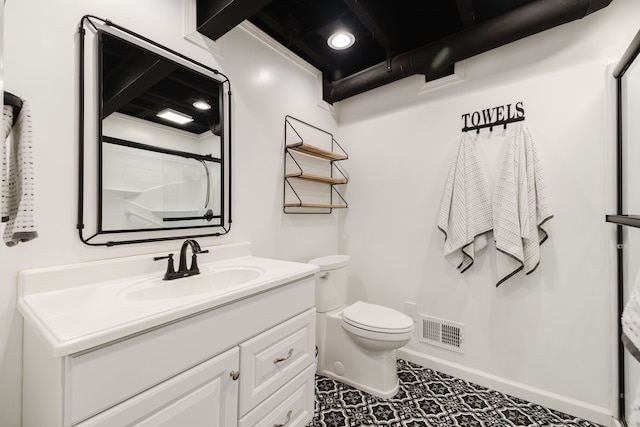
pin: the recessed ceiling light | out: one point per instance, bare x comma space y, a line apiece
174, 116
341, 40
202, 105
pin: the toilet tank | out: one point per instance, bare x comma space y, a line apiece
331, 282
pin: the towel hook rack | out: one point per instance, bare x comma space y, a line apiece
495, 116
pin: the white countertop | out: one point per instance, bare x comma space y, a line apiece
79, 306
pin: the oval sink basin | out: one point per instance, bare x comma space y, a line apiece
215, 279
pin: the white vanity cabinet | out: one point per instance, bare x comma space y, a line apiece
247, 362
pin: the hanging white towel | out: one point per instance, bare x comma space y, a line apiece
634, 416
631, 321
520, 207
465, 215
18, 194
631, 340
7, 123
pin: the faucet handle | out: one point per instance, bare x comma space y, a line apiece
171, 272
197, 249
193, 268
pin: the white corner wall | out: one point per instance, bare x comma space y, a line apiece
547, 336
40, 65
550, 333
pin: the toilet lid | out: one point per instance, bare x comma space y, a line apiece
374, 317
331, 262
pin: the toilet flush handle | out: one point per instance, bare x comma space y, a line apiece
324, 275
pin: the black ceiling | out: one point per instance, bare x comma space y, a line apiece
393, 38
382, 28
139, 83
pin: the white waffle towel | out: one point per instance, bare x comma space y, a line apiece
631, 321
520, 207
631, 340
18, 191
465, 215
7, 124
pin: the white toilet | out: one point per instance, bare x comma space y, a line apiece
356, 343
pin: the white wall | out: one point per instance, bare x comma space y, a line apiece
40, 65
550, 331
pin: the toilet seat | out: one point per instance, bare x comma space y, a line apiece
376, 318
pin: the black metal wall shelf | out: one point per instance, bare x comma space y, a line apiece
629, 220
294, 169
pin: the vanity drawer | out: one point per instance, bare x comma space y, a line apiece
291, 406
271, 359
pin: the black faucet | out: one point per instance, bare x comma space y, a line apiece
195, 249
193, 269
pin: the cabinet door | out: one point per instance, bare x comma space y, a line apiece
205, 396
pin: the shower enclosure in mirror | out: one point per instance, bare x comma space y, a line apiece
627, 75
154, 143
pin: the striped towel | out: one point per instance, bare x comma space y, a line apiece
631, 321
520, 207
18, 185
7, 124
465, 215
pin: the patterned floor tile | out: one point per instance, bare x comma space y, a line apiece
428, 398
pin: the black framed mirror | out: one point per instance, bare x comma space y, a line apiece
154, 143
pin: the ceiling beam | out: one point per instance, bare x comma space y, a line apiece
212, 92
216, 17
367, 19
466, 12
139, 75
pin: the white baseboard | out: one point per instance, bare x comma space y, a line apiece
596, 414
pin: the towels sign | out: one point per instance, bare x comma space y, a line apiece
500, 115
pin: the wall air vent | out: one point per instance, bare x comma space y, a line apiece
442, 333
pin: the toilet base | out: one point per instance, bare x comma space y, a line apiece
384, 394
340, 358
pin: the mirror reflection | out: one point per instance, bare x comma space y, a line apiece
161, 150
146, 187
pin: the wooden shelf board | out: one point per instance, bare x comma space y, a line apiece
315, 151
313, 205
319, 178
